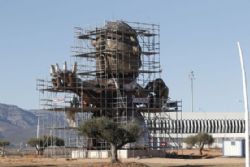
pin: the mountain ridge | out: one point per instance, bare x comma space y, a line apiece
17, 125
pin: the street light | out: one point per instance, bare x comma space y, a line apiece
244, 83
191, 76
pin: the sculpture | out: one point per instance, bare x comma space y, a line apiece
118, 60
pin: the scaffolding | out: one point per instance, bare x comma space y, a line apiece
118, 74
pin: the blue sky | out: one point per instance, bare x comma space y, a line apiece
198, 35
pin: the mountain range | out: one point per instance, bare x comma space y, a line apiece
17, 125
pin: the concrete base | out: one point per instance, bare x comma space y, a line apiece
122, 154
100, 154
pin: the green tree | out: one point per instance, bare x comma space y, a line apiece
3, 144
117, 135
45, 141
201, 139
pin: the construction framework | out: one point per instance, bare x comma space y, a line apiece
122, 61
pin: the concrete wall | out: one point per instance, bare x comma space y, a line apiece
122, 154
95, 154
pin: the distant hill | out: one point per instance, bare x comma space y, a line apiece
16, 124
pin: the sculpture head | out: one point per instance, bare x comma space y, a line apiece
117, 50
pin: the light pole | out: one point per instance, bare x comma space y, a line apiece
191, 76
38, 127
244, 83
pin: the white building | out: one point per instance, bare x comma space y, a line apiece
221, 125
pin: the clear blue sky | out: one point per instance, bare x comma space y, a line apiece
198, 35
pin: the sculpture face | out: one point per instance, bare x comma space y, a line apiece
118, 51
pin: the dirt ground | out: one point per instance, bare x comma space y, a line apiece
194, 153
152, 162
211, 158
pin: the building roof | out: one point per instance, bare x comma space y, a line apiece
207, 115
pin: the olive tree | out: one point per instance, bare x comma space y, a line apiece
116, 134
201, 139
45, 141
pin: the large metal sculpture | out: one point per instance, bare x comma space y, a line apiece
118, 62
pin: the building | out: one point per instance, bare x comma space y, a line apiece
221, 125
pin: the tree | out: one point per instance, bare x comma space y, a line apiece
45, 141
3, 144
116, 134
201, 139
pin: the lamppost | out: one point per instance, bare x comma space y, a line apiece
244, 83
191, 76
